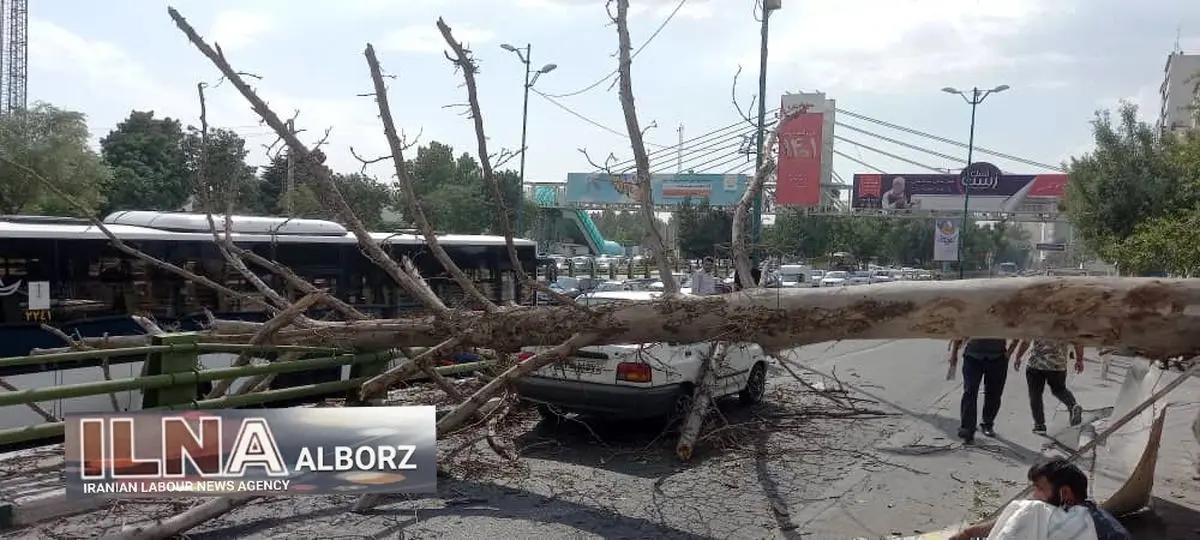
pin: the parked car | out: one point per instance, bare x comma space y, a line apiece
637, 381
836, 278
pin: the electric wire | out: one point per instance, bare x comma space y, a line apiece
715, 161
898, 142
857, 144
977, 148
608, 77
732, 145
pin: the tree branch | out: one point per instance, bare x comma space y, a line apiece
640, 157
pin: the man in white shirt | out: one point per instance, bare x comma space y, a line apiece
703, 281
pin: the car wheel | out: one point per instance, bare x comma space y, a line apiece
680, 407
756, 385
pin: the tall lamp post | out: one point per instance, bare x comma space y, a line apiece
973, 98
531, 78
756, 216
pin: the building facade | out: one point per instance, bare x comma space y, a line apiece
1180, 92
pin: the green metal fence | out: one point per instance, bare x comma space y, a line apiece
171, 372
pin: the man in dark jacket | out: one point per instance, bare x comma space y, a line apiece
985, 363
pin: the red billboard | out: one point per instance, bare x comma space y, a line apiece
798, 168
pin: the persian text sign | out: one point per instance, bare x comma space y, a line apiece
798, 170
300, 451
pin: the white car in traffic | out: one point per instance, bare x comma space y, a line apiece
637, 381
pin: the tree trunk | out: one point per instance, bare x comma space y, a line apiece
1155, 318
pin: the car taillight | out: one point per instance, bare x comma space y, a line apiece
633, 372
521, 357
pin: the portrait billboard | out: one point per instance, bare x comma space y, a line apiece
600, 189
945, 240
1003, 193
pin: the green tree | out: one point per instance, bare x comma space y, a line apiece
54, 143
702, 229
150, 167
229, 178
1136, 173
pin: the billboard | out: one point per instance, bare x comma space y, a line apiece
601, 189
945, 191
945, 240
301, 451
801, 151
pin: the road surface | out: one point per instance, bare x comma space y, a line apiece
790, 468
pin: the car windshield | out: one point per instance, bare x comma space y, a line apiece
567, 283
836, 274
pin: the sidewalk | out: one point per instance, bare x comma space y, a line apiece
939, 482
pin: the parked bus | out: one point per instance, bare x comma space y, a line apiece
64, 272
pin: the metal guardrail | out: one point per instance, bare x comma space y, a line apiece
171, 373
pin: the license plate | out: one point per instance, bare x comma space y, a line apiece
577, 367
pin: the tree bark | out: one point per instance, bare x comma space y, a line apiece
1156, 318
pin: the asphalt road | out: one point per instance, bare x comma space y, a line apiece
797, 466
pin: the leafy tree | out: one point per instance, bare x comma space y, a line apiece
229, 178
53, 142
623, 227
368, 197
1163, 244
702, 229
1136, 173
150, 166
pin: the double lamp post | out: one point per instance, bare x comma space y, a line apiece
973, 98
531, 78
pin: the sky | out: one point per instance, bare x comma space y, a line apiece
884, 59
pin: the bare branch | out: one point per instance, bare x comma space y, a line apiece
640, 158
462, 59
324, 181
733, 98
741, 253
410, 192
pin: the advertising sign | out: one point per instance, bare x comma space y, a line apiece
798, 168
989, 193
302, 451
945, 240
600, 189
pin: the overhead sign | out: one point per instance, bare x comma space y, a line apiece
988, 192
600, 189
302, 451
1051, 247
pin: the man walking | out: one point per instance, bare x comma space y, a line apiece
985, 362
1048, 367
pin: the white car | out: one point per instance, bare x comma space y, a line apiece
836, 278
637, 381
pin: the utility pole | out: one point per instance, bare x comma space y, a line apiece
289, 190
756, 216
531, 78
977, 97
679, 152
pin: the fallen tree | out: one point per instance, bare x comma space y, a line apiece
1156, 318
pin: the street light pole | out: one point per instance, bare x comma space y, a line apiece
524, 55
976, 97
756, 216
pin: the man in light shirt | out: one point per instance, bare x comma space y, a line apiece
703, 281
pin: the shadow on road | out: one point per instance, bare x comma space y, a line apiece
1166, 521
459, 500
642, 449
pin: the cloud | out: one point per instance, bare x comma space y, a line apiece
888, 46
659, 9
235, 29
427, 39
